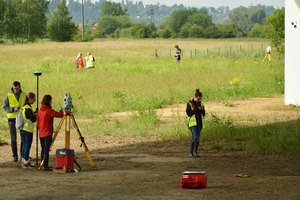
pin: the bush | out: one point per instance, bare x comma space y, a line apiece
196, 31
211, 32
108, 25
229, 30
257, 31
185, 30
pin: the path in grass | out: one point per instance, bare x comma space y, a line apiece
248, 111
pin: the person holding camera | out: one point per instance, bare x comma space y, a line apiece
11, 106
177, 55
45, 125
195, 111
29, 117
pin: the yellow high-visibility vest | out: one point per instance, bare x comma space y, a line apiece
28, 124
191, 120
13, 102
90, 63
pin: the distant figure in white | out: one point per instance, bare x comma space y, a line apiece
268, 54
268, 49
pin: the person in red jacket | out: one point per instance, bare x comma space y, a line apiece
44, 121
80, 61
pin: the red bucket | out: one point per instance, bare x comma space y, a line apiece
193, 180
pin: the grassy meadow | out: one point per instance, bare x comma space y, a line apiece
128, 76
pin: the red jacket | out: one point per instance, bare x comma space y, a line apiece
44, 120
80, 63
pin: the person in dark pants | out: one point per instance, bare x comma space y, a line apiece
45, 125
195, 111
177, 55
12, 105
29, 117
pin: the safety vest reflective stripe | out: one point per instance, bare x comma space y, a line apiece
28, 124
28, 127
13, 102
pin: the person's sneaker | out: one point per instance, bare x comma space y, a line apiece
28, 165
196, 155
15, 159
191, 155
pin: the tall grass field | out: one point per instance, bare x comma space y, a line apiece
128, 76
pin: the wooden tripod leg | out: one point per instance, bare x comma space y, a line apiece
82, 142
54, 137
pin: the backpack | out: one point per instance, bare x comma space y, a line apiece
19, 121
76, 64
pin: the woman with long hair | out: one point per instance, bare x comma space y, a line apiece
45, 125
195, 111
80, 61
29, 117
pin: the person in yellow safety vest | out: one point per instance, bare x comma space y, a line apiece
29, 117
195, 111
12, 105
90, 61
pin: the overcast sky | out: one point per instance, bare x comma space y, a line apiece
213, 3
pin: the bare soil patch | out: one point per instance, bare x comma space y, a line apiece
150, 168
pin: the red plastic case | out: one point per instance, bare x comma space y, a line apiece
64, 159
193, 180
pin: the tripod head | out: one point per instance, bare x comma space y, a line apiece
68, 103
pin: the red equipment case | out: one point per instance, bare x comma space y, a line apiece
65, 159
193, 180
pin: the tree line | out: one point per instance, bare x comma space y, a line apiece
27, 20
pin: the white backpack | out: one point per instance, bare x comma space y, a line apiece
19, 120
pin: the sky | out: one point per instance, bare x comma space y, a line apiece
213, 3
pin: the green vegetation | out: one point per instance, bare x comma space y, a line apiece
60, 27
129, 77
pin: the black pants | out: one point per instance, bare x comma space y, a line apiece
45, 144
13, 137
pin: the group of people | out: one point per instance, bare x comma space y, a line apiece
18, 101
89, 60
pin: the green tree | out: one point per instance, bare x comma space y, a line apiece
108, 25
201, 19
229, 30
177, 19
275, 29
12, 20
139, 30
211, 32
245, 18
34, 19
196, 31
2, 10
60, 27
185, 30
257, 31
112, 9
151, 29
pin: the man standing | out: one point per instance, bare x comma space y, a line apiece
177, 55
12, 104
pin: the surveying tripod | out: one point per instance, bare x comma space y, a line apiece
267, 55
68, 116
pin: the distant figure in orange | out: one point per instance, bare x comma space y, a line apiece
79, 61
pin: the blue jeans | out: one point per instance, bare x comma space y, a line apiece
27, 141
196, 132
45, 143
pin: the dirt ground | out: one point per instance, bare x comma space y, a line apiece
150, 168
